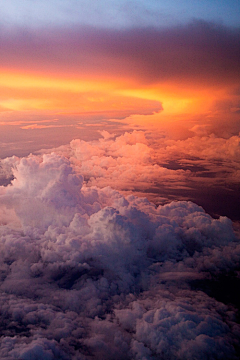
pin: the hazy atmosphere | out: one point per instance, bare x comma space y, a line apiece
119, 180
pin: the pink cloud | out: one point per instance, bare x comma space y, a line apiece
89, 272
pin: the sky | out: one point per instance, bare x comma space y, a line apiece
119, 179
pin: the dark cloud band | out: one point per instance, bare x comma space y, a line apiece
200, 51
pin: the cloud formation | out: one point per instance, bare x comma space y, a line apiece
199, 52
159, 167
141, 161
87, 273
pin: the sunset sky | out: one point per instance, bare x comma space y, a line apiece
119, 179
69, 70
65, 65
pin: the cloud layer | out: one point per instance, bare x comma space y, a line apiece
200, 51
87, 273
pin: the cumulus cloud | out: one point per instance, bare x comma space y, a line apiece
216, 157
206, 147
126, 161
159, 167
163, 168
87, 273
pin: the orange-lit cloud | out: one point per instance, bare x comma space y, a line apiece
36, 126
86, 60
20, 91
173, 79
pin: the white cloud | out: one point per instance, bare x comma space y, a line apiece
87, 273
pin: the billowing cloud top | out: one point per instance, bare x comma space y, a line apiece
89, 270
87, 273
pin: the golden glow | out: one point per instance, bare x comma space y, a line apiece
32, 91
34, 80
179, 98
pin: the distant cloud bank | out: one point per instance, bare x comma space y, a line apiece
200, 52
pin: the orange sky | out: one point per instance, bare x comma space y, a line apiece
86, 77
22, 91
179, 85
